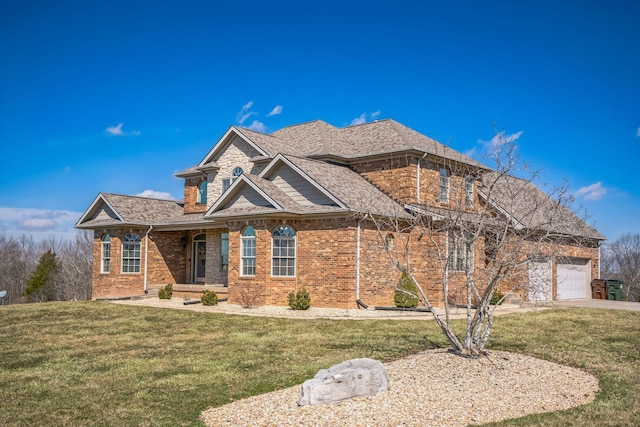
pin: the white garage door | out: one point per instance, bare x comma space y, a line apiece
572, 279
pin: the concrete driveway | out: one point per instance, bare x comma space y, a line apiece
600, 303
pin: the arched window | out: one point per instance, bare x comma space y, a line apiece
283, 253
237, 171
202, 192
248, 252
131, 253
105, 254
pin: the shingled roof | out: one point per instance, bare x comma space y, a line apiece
527, 206
111, 209
318, 139
384, 137
358, 195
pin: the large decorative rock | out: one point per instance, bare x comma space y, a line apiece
353, 378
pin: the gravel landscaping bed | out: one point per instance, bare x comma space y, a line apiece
431, 388
311, 313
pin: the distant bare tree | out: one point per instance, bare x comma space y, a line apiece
464, 249
74, 276
20, 255
621, 260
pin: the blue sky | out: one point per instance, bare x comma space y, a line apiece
118, 96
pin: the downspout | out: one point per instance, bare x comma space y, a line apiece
146, 256
358, 301
599, 258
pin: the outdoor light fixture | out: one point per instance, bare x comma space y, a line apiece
183, 240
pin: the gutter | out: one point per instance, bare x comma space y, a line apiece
146, 256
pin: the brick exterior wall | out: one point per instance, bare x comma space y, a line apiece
166, 263
325, 263
326, 249
191, 196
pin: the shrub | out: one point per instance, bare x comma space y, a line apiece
497, 296
406, 295
250, 297
209, 298
300, 300
166, 292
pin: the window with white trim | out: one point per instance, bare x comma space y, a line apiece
224, 251
237, 171
105, 253
283, 251
468, 191
460, 251
444, 185
202, 192
248, 252
131, 253
226, 183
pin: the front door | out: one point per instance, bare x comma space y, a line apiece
199, 258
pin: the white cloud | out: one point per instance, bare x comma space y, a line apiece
592, 192
471, 152
498, 140
244, 113
117, 131
361, 119
257, 126
40, 224
152, 194
276, 110
638, 133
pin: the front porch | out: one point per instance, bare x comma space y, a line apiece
191, 290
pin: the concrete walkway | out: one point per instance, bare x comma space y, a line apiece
600, 303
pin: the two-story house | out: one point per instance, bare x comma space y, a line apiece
266, 214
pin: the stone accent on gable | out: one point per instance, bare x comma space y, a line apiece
237, 154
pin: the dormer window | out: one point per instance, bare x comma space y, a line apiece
226, 183
202, 193
236, 173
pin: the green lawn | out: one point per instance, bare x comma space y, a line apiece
95, 363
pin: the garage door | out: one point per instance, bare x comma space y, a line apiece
572, 279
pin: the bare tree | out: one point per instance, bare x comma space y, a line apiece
461, 249
71, 281
621, 260
74, 276
18, 257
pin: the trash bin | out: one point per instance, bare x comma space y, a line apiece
614, 290
598, 289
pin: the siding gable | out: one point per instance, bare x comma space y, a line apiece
105, 212
245, 198
298, 188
